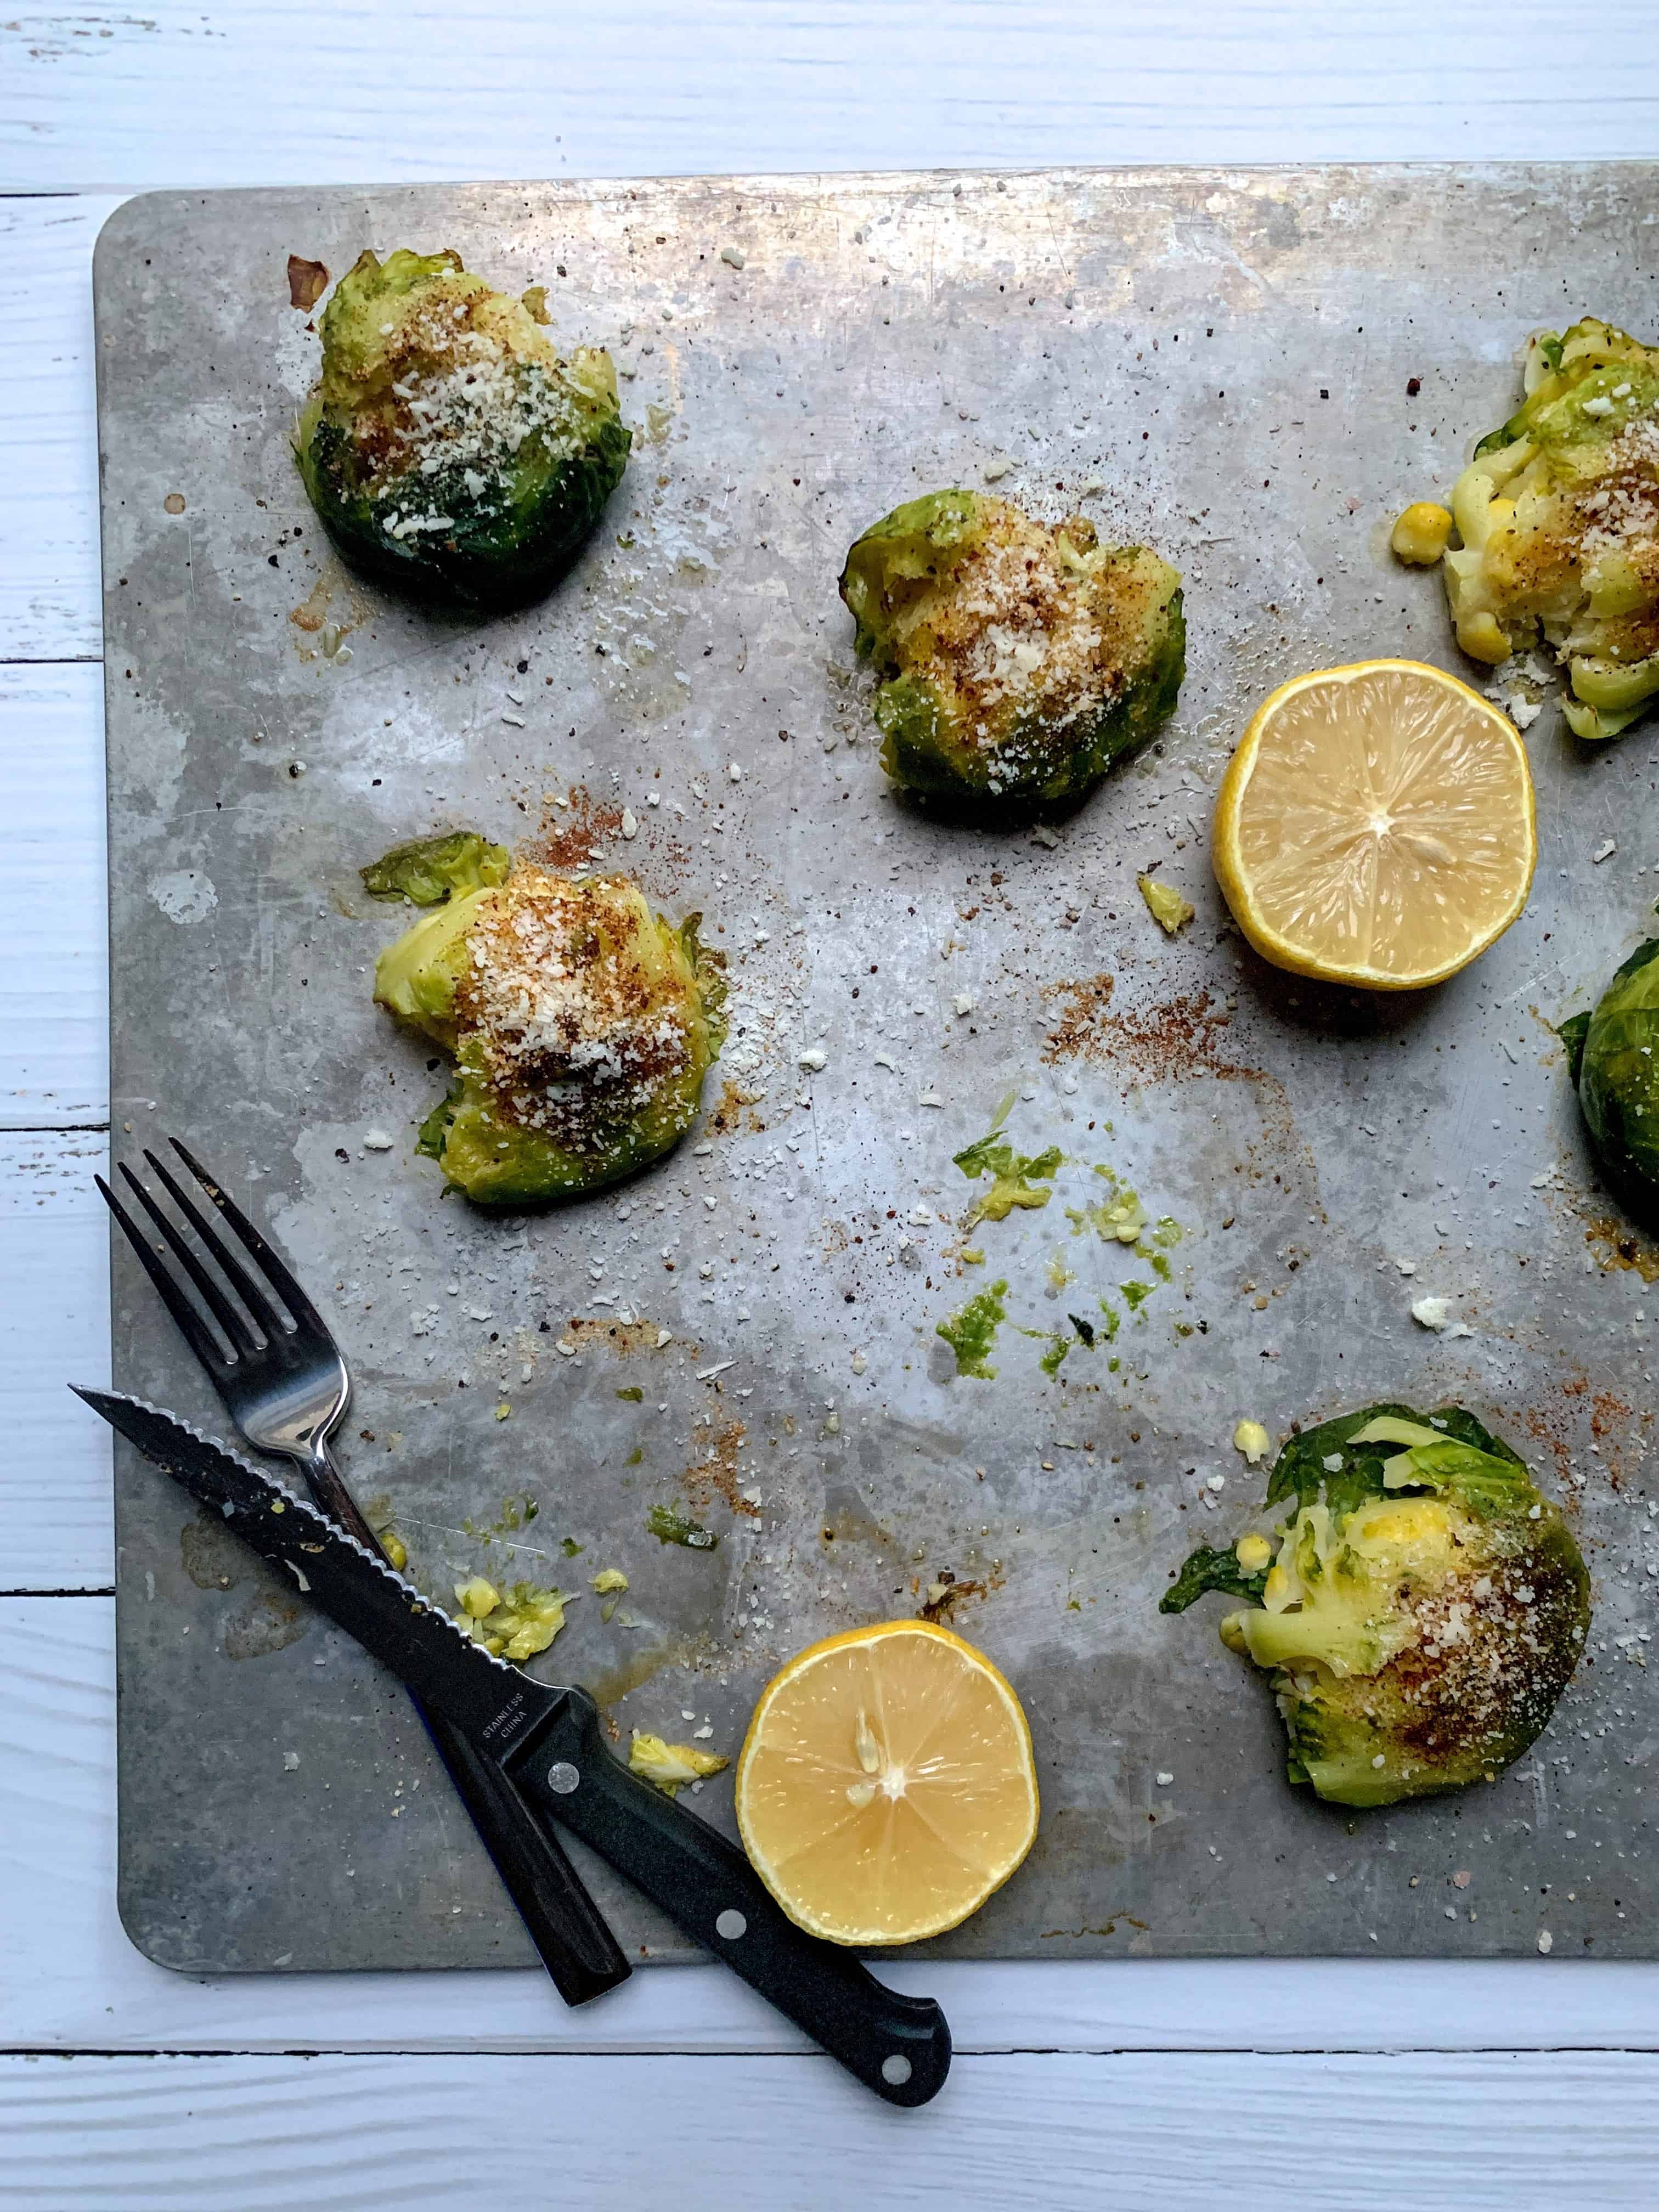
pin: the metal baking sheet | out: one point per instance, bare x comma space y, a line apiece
1252, 370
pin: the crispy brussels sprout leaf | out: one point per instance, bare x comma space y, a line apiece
1207, 1569
430, 870
1426, 1609
307, 280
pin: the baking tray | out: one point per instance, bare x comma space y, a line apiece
1252, 370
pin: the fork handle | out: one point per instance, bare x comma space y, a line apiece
568, 1930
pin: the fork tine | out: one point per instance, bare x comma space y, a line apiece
241, 1337
196, 1332
253, 1295
287, 1289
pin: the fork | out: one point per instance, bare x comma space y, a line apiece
285, 1394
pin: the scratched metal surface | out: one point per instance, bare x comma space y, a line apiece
1224, 359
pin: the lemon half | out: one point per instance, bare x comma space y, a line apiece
887, 1786
1376, 826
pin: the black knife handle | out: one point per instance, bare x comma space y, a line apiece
566, 1928
897, 2045
569, 1932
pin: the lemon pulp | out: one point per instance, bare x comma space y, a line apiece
1376, 826
886, 1786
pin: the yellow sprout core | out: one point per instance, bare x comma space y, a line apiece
1253, 1552
1165, 904
1253, 1440
516, 1626
670, 1766
1421, 533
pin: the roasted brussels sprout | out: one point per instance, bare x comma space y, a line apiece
1424, 1610
1610, 1059
447, 447
1559, 513
582, 1026
1019, 661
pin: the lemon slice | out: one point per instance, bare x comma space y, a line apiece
1376, 826
887, 1786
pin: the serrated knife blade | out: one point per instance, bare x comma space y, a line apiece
494, 1702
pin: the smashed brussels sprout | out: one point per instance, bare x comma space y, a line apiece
1610, 1058
1426, 1609
1559, 513
1019, 661
447, 447
582, 1026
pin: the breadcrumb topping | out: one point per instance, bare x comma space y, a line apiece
1032, 638
580, 1014
1491, 1656
1623, 510
461, 399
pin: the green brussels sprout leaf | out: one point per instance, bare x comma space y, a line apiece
430, 870
1014, 1175
971, 1331
1302, 1471
1572, 1033
669, 1526
433, 1133
1207, 1570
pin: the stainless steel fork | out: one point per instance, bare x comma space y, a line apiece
284, 1384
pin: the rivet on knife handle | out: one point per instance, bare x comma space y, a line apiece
896, 2045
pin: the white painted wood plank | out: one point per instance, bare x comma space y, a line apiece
70, 1981
49, 594
1138, 2132
56, 1531
339, 90
54, 998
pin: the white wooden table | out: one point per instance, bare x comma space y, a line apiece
1134, 2084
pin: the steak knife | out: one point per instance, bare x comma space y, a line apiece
546, 1742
